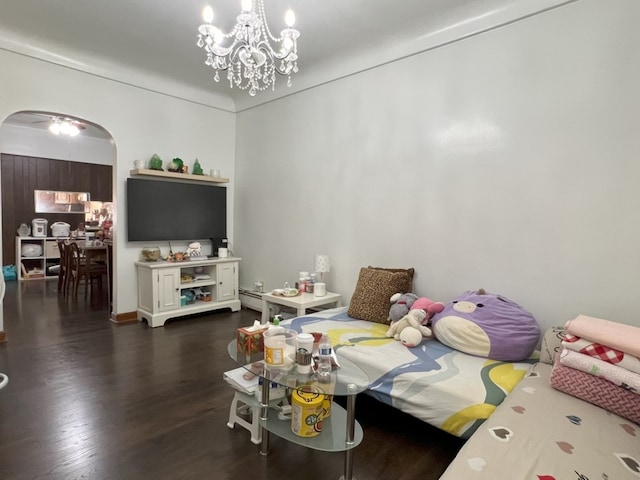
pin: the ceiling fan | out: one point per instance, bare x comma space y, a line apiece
61, 125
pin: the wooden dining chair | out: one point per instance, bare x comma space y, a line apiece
83, 271
63, 275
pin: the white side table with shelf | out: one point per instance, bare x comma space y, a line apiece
300, 302
161, 284
40, 263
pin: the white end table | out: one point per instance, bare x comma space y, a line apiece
300, 302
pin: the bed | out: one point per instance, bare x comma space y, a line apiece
448, 389
543, 433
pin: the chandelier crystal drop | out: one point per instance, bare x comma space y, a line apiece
250, 54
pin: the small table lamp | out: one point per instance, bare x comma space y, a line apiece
322, 265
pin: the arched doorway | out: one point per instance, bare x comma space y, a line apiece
50, 151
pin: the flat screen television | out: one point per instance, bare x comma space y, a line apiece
164, 210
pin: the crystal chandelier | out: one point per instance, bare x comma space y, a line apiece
246, 53
59, 126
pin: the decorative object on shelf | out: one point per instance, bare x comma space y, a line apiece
197, 169
194, 250
322, 265
155, 163
176, 165
150, 254
178, 256
250, 59
24, 230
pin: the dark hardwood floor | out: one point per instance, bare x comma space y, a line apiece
90, 399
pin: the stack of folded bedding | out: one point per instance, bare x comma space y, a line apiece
600, 363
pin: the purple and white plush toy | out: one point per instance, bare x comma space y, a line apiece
487, 325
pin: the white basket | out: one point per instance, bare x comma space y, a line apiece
60, 229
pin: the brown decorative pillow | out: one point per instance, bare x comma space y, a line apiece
371, 299
408, 271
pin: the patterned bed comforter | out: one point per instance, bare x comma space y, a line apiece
443, 387
544, 434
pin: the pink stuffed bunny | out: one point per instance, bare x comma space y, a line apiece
429, 306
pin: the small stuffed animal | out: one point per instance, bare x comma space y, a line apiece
401, 303
429, 306
411, 321
404, 302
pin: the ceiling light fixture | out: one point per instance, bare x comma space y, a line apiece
249, 58
65, 126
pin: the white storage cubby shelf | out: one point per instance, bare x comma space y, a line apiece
36, 267
162, 284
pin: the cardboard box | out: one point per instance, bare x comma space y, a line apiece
250, 344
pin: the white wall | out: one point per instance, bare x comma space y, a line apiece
141, 123
506, 161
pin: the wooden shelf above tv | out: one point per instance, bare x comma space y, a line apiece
145, 172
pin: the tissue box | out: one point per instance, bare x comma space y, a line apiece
250, 344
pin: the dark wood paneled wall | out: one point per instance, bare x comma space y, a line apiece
22, 175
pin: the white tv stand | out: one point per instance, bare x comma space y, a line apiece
160, 288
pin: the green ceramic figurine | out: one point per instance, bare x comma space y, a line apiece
197, 169
155, 163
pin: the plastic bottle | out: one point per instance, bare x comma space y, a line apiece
324, 359
275, 348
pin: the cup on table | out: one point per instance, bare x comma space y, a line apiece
320, 289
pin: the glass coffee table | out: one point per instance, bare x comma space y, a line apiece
340, 432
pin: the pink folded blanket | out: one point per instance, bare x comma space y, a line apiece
602, 352
616, 375
615, 335
595, 390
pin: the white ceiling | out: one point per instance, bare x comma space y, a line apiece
153, 44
